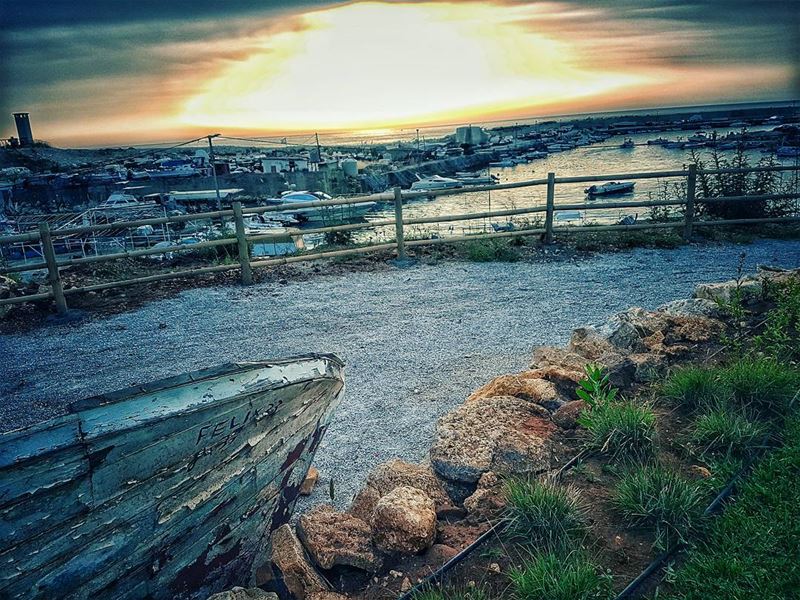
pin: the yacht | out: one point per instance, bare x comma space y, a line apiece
611, 188
319, 214
435, 182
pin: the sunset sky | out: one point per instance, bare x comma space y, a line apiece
99, 71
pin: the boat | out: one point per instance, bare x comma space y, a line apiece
678, 144
536, 155
699, 136
477, 179
627, 144
611, 188
435, 182
506, 162
292, 202
166, 490
657, 142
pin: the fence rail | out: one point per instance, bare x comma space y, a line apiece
245, 263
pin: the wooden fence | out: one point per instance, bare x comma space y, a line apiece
246, 264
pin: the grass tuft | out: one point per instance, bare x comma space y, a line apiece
658, 497
762, 384
451, 594
623, 430
543, 514
692, 387
722, 430
557, 578
491, 250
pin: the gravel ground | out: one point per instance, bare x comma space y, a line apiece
416, 341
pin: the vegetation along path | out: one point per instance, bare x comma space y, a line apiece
416, 341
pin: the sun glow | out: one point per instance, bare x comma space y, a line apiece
370, 65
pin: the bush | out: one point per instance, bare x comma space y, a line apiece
491, 250
780, 338
543, 514
691, 387
723, 430
451, 594
658, 497
556, 578
621, 429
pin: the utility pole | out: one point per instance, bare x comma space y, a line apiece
214, 168
319, 151
418, 155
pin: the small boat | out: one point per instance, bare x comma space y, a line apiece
699, 136
319, 214
435, 182
478, 180
611, 188
678, 144
166, 490
506, 162
657, 142
536, 154
627, 144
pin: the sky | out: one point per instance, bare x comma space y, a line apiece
114, 72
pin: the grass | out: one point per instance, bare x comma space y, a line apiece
491, 251
691, 387
657, 497
758, 383
543, 514
603, 240
753, 548
722, 430
621, 429
555, 577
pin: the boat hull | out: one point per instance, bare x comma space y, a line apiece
170, 490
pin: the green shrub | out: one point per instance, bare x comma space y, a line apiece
660, 498
692, 387
621, 429
596, 387
726, 431
780, 338
451, 594
555, 577
542, 513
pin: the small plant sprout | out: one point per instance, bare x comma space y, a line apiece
596, 387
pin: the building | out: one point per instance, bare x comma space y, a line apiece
471, 134
24, 129
285, 164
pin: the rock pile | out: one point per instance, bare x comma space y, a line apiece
513, 425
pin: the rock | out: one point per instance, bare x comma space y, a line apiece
398, 473
240, 593
589, 343
338, 539
439, 554
524, 386
549, 357
503, 434
621, 332
494, 568
404, 521
406, 585
699, 472
288, 558
750, 290
488, 500
327, 596
309, 482
649, 367
692, 307
566, 417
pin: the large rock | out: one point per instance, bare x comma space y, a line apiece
288, 558
488, 500
548, 357
502, 434
393, 474
691, 307
404, 521
338, 539
240, 593
326, 596
749, 290
526, 385
566, 417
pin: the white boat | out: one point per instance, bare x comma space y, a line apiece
699, 136
293, 201
627, 144
435, 182
535, 155
611, 188
506, 162
121, 201
477, 179
657, 142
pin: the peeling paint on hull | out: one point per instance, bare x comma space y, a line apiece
168, 490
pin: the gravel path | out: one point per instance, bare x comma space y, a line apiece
416, 341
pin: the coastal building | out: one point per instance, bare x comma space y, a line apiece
285, 164
471, 134
24, 132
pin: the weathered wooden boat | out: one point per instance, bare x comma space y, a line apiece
168, 490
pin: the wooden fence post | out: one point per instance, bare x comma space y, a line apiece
548, 219
398, 225
53, 276
691, 186
244, 249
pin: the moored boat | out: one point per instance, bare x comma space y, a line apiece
167, 490
611, 188
435, 182
293, 201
